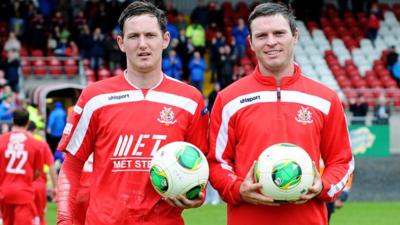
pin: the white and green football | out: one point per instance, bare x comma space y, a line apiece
179, 168
285, 170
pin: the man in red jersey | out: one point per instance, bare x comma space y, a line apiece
275, 104
20, 163
83, 195
123, 121
40, 184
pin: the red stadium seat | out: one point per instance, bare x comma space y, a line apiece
38, 62
37, 53
53, 61
118, 71
70, 62
55, 71
90, 75
71, 71
39, 71
26, 70
104, 73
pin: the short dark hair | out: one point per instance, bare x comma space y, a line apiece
138, 8
270, 9
21, 117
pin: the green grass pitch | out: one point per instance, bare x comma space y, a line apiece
353, 213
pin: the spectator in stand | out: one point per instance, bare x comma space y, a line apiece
172, 65
171, 28
7, 108
396, 72
55, 125
72, 49
171, 13
197, 34
11, 68
17, 24
240, 33
215, 14
200, 13
51, 44
359, 108
392, 57
227, 62
79, 22
6, 91
12, 43
97, 50
3, 80
197, 67
381, 111
215, 57
373, 26
115, 57
85, 42
181, 23
37, 39
101, 19
213, 95
57, 20
184, 51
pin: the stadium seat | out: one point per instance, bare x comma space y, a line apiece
39, 71
55, 71
90, 75
118, 71
71, 71
53, 61
103, 73
37, 53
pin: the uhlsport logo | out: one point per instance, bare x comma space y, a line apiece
250, 99
167, 116
304, 116
134, 153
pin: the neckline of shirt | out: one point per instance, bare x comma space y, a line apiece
138, 88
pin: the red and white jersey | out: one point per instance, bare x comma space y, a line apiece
48, 161
20, 156
87, 171
255, 113
124, 126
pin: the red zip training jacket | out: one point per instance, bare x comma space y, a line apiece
255, 113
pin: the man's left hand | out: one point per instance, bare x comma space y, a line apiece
185, 203
313, 191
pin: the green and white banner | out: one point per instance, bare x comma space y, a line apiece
370, 141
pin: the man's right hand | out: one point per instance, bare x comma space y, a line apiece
250, 191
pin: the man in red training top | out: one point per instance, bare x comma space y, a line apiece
275, 104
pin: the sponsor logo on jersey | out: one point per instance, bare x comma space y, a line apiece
167, 116
118, 97
304, 116
250, 99
129, 155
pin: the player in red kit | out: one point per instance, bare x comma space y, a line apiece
20, 163
83, 195
123, 121
40, 184
276, 103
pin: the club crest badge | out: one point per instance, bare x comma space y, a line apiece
304, 116
167, 116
